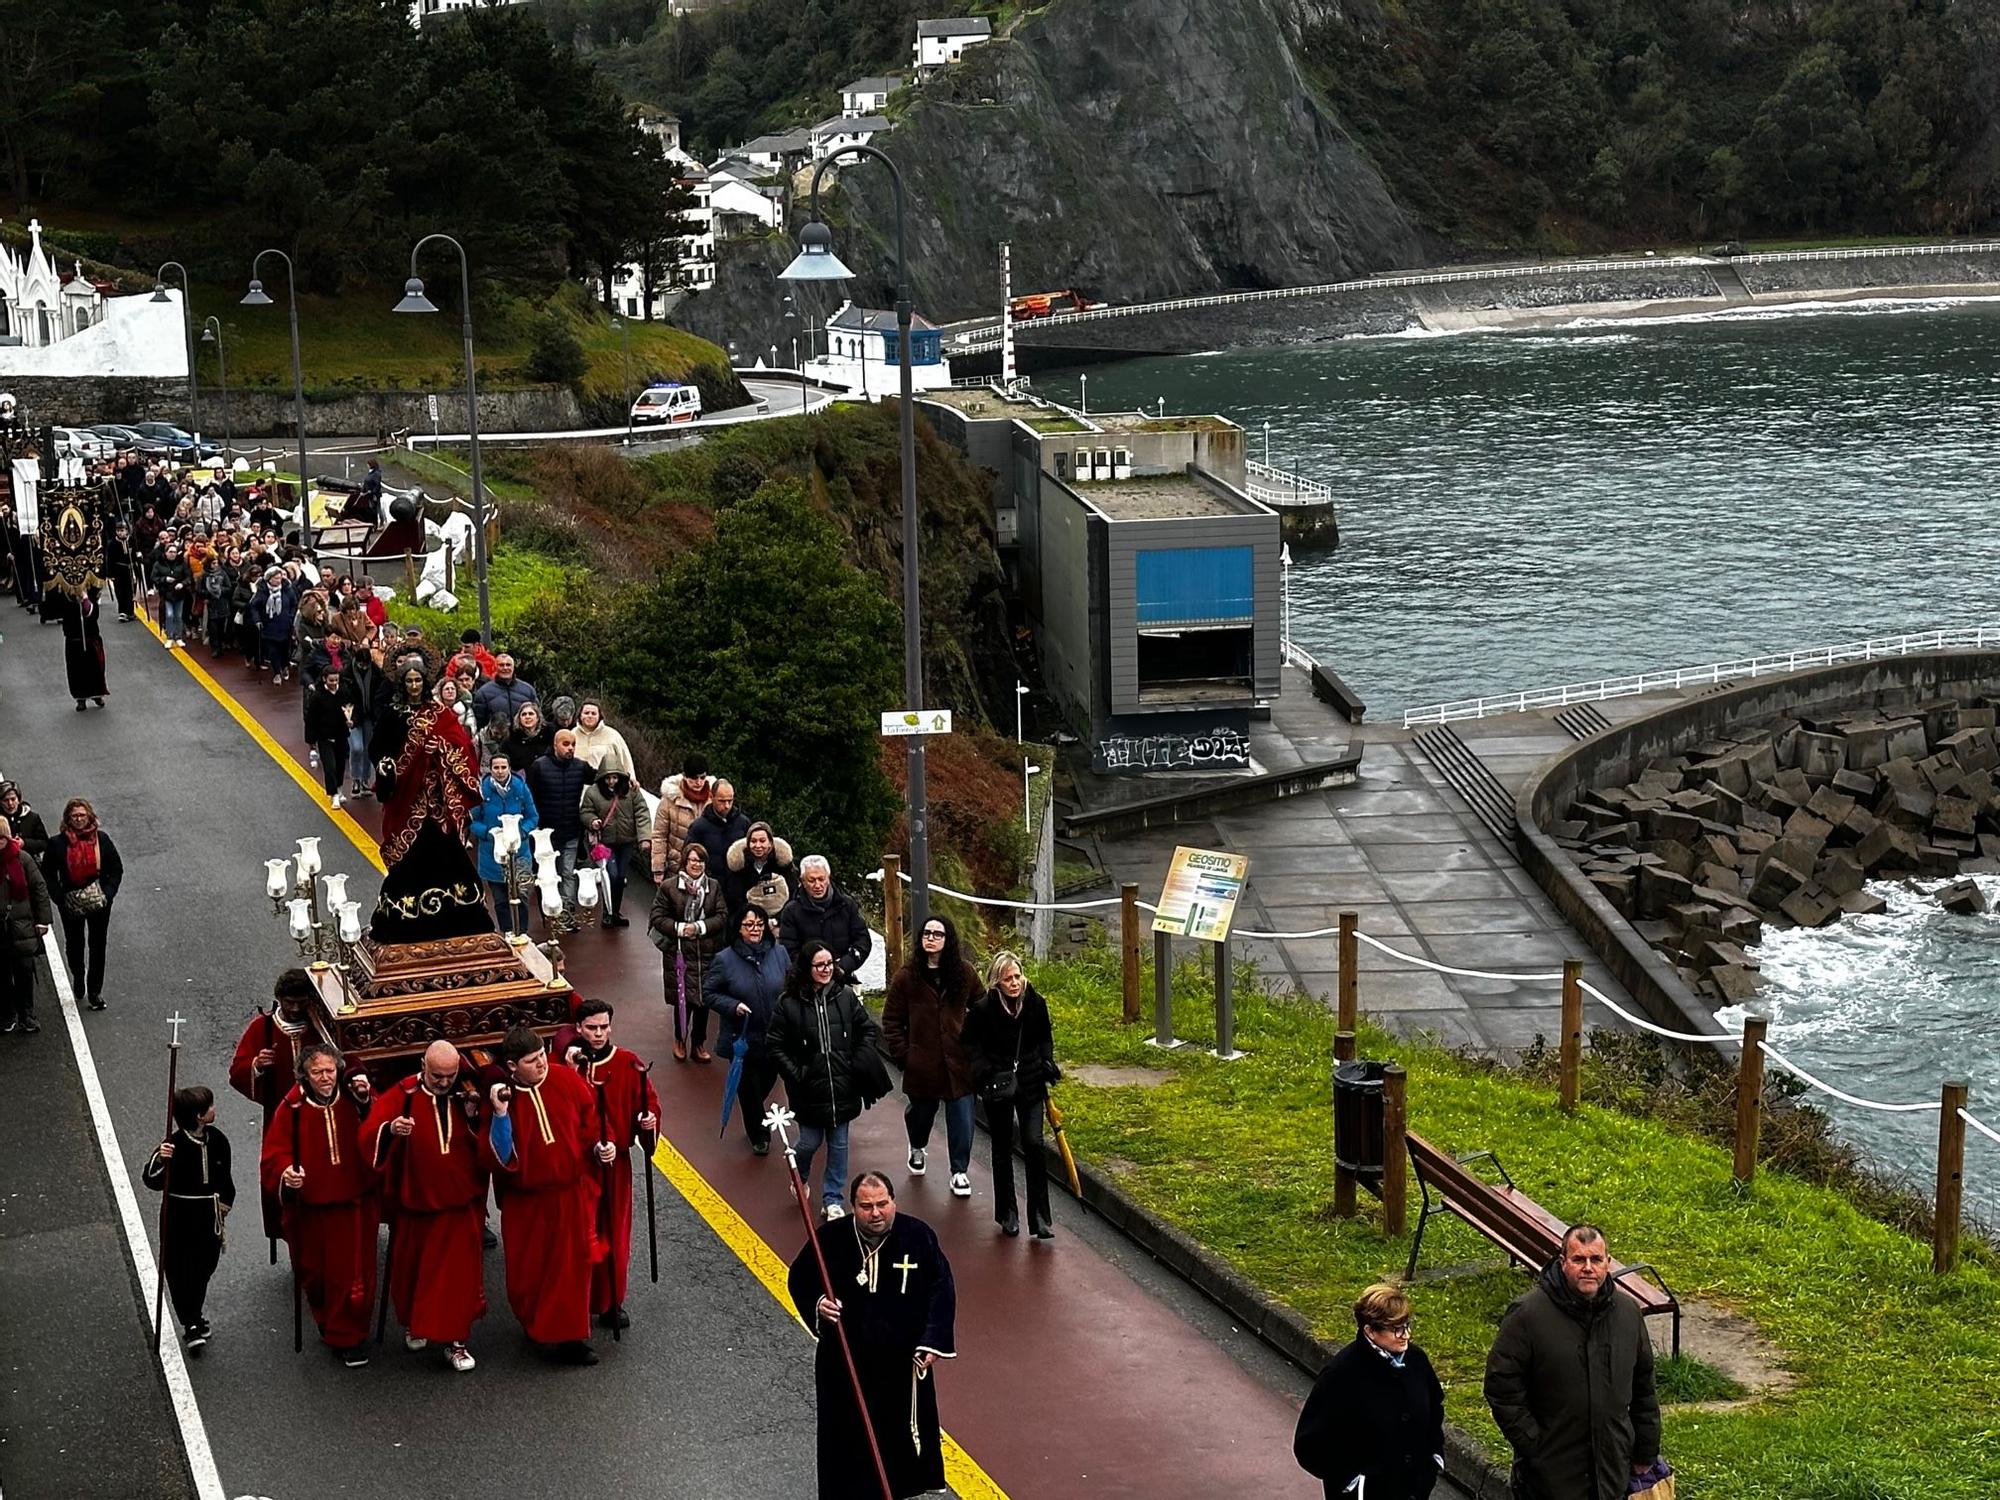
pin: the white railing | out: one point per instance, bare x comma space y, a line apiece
1968, 637
979, 339
1283, 487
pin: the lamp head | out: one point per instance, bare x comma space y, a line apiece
255, 296
160, 292
414, 300
816, 260
208, 335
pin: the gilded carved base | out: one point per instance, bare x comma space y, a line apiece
469, 991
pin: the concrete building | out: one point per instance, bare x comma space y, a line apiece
739, 207
1150, 579
941, 43
771, 154
841, 131
861, 353
868, 96
424, 10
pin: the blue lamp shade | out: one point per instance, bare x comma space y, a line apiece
255, 296
816, 260
414, 299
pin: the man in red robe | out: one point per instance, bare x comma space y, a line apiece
628, 1114
541, 1144
267, 1060
312, 1150
425, 1142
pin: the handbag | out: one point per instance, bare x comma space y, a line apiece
1000, 1088
1657, 1483
86, 899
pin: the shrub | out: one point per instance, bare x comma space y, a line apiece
556, 355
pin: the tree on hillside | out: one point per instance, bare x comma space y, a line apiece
1809, 151
56, 66
776, 657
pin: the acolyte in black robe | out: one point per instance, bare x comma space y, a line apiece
910, 1307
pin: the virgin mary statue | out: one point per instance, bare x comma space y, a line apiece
427, 778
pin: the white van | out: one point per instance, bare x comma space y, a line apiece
671, 402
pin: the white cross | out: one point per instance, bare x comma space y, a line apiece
175, 1020
905, 1265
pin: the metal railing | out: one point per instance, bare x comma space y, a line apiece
1283, 486
1967, 637
979, 339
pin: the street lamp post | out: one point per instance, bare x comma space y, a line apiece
256, 297
1083, 401
187, 322
211, 333
817, 262
790, 321
414, 301
625, 370
1020, 697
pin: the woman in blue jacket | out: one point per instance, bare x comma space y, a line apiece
274, 609
502, 792
742, 986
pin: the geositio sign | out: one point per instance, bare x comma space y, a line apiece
1200, 895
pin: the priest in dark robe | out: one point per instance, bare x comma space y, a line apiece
542, 1147
629, 1114
425, 1140
427, 778
83, 644
893, 1293
312, 1151
267, 1060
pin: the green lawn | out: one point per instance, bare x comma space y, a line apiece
1897, 1370
515, 578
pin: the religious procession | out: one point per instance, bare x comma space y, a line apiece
444, 1112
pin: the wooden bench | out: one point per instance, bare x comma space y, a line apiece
1529, 1233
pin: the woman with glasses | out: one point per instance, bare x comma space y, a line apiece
1374, 1423
923, 1021
742, 986
819, 1037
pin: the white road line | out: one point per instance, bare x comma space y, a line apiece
187, 1415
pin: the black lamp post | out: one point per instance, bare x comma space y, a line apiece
256, 297
211, 333
817, 262
414, 301
187, 322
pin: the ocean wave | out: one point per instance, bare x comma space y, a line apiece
1861, 307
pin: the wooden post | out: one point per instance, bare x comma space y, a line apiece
892, 909
1348, 991
1749, 1097
1163, 997
409, 576
1395, 1165
1343, 1046
450, 557
1950, 1176
1128, 940
1225, 1002
1570, 1086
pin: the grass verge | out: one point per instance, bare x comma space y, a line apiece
1896, 1368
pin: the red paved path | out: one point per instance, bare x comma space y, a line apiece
1072, 1380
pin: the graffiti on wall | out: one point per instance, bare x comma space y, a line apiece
1218, 749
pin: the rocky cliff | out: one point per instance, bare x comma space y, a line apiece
1131, 148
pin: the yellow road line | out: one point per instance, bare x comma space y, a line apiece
356, 834
964, 1476
960, 1471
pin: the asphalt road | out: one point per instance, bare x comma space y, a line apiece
708, 1395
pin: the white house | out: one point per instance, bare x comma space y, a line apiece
38, 305
940, 43
861, 353
868, 96
423, 10
739, 207
842, 131
693, 255
768, 152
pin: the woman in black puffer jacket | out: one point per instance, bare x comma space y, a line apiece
1011, 1049
823, 1041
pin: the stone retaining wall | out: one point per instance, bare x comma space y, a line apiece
1622, 754
84, 400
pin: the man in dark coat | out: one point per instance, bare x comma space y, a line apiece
893, 1294
1377, 1411
25, 915
1570, 1380
820, 912
502, 696
557, 782
719, 826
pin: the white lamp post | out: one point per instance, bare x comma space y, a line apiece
1027, 797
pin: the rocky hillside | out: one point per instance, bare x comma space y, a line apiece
1131, 148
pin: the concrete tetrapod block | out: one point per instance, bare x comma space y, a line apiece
1734, 984
1855, 784
1935, 861
1863, 904
1830, 805
1867, 744
1659, 889
1972, 748
1811, 906
1802, 825
1820, 756
1774, 883
1906, 737
1954, 815
1726, 878
1671, 854
1742, 927
1963, 897
1908, 807
1838, 873
1887, 848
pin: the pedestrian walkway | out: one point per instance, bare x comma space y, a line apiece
1073, 1378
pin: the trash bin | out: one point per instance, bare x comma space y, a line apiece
1357, 1121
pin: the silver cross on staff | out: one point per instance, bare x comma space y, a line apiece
176, 1020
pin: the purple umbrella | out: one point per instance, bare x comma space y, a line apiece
680, 993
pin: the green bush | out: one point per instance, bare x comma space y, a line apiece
556, 356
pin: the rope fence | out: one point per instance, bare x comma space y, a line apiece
1756, 1048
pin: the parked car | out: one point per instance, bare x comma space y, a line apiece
668, 402
91, 447
119, 436
164, 440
